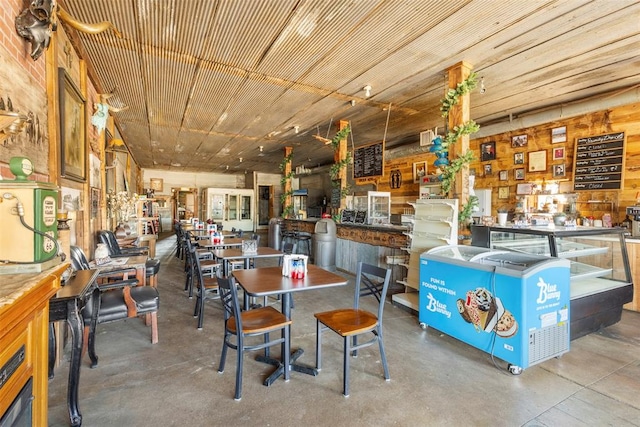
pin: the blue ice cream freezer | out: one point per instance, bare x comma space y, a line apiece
512, 305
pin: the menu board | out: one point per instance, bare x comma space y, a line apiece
368, 161
361, 217
599, 162
347, 216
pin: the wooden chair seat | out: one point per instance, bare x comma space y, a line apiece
347, 322
259, 320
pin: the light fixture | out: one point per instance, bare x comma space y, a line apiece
296, 128
367, 90
240, 158
482, 88
227, 168
353, 102
11, 122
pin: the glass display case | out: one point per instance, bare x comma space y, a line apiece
378, 207
233, 208
601, 280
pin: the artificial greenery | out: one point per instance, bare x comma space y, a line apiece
340, 165
452, 96
466, 211
457, 133
449, 171
287, 210
339, 136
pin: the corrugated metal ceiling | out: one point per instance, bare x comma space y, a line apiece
208, 82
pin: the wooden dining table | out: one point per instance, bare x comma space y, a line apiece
228, 255
233, 242
269, 281
136, 262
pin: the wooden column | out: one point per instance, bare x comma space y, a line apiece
459, 114
287, 184
340, 155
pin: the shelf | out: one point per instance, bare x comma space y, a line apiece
408, 299
581, 271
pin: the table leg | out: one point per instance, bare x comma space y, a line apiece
75, 327
295, 355
52, 349
95, 308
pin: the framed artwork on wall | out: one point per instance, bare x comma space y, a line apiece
73, 149
156, 184
518, 158
419, 170
504, 175
559, 171
559, 134
518, 173
503, 192
487, 169
558, 153
519, 141
488, 151
537, 161
526, 188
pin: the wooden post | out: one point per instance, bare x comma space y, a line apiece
459, 114
287, 184
340, 155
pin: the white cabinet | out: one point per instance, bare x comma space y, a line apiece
233, 208
378, 207
434, 223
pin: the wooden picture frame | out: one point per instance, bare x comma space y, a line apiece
504, 175
524, 188
559, 134
537, 161
487, 169
559, 170
419, 170
503, 192
518, 174
488, 151
518, 158
156, 184
559, 153
519, 141
73, 139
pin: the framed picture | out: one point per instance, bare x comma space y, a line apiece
559, 134
503, 192
558, 153
559, 171
518, 158
487, 170
156, 184
524, 188
518, 174
519, 141
419, 170
95, 202
73, 153
504, 175
488, 151
537, 161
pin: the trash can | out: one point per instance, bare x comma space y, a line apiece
275, 227
324, 248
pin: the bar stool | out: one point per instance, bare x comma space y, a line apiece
303, 238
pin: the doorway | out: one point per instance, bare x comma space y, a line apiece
265, 204
185, 203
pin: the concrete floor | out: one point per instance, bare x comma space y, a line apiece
435, 379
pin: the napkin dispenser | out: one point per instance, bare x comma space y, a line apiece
249, 247
295, 266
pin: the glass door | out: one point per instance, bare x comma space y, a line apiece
217, 207
232, 207
245, 207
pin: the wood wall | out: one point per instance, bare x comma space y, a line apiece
621, 119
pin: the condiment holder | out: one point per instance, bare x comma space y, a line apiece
295, 266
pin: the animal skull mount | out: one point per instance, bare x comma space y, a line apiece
36, 23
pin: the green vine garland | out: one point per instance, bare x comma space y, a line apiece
287, 210
340, 165
452, 97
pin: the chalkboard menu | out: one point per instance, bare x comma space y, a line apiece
599, 162
361, 217
347, 216
368, 161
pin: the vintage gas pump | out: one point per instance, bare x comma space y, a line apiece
28, 209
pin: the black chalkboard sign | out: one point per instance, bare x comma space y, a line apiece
361, 217
599, 162
368, 161
347, 216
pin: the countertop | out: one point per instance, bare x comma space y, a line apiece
14, 286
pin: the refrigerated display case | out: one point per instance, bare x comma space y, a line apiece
299, 201
601, 281
511, 305
233, 208
378, 207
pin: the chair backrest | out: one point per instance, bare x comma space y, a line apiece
372, 280
256, 237
288, 248
107, 237
229, 299
239, 233
78, 259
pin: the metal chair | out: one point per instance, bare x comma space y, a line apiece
241, 326
350, 323
206, 285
